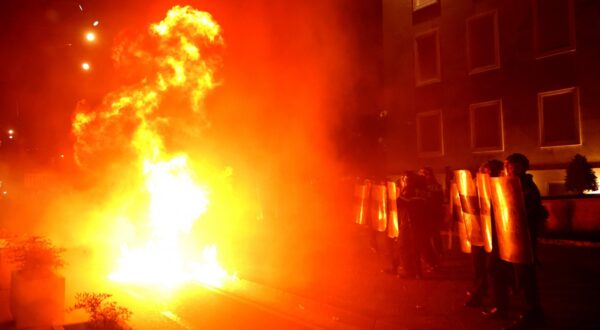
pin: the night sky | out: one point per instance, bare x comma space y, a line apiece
41, 77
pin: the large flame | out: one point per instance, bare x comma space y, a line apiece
132, 123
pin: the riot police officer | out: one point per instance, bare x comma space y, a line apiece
516, 165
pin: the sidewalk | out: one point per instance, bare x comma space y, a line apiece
353, 293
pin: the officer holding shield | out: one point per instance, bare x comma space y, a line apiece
516, 165
498, 270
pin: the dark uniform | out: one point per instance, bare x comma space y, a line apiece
525, 274
413, 234
434, 199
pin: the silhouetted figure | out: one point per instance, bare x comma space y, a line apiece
435, 213
517, 165
448, 178
414, 240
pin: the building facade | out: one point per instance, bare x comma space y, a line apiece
470, 80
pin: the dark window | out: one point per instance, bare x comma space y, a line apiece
429, 133
554, 27
486, 126
559, 118
418, 4
482, 42
427, 60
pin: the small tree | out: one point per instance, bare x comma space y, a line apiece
580, 176
104, 314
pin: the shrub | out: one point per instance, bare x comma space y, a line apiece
103, 313
580, 176
35, 253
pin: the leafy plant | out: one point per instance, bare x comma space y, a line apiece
35, 253
104, 314
580, 176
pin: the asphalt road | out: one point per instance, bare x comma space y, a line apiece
197, 307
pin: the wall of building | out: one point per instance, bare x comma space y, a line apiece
517, 82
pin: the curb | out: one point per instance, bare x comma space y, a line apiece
566, 242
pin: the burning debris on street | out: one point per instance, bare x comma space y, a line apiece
163, 193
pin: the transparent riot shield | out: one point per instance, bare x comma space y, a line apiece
470, 206
392, 195
514, 240
485, 209
378, 207
457, 216
361, 200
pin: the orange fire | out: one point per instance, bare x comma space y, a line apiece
133, 123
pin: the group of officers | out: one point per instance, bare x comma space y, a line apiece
497, 214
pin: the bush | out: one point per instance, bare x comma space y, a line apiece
35, 253
580, 176
103, 314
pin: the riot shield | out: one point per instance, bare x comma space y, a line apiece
470, 206
361, 200
392, 195
457, 215
514, 241
485, 209
378, 207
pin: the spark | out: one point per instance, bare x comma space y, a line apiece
96, 23
85, 66
90, 36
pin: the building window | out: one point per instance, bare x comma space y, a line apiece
430, 133
483, 51
427, 58
419, 4
560, 123
554, 27
487, 130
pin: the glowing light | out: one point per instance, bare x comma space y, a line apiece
62, 156
10, 137
85, 66
10, 131
96, 23
90, 36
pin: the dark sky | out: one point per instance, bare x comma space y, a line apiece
43, 47
40, 75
